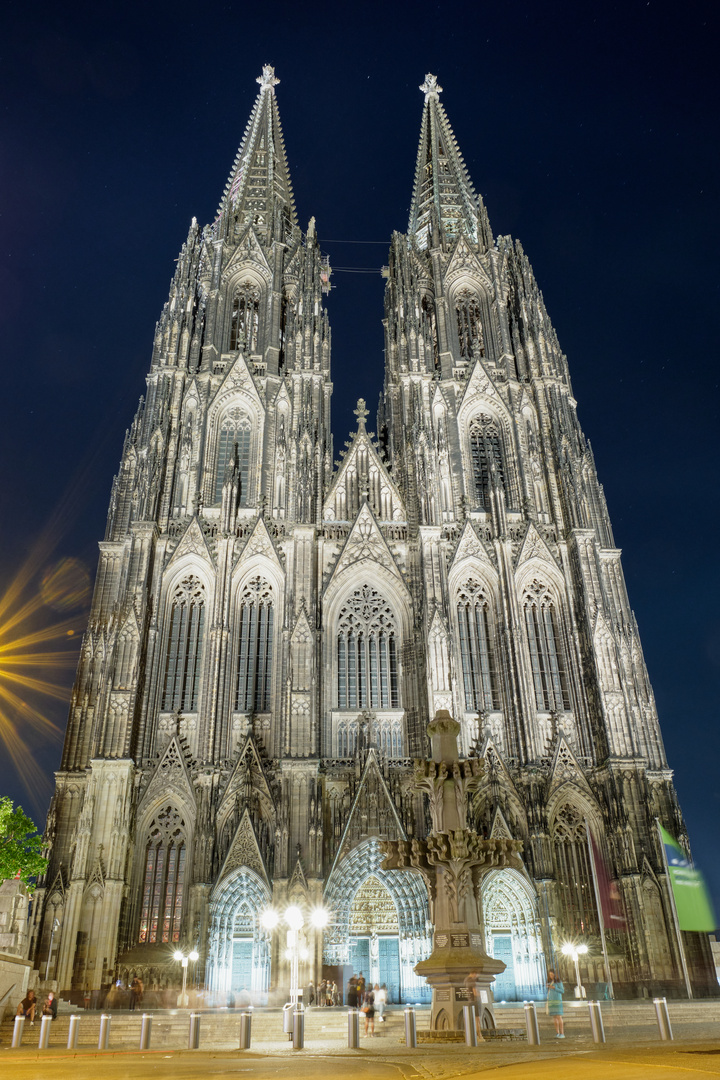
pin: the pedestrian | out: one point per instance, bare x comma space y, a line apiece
473, 999
361, 987
369, 1010
310, 994
380, 1000
352, 992
321, 994
27, 1007
50, 1006
134, 992
334, 994
555, 991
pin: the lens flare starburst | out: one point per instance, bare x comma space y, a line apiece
38, 653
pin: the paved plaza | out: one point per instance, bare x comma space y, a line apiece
633, 1049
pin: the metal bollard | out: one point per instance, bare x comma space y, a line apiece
298, 1032
44, 1040
245, 1030
596, 1022
531, 1024
145, 1031
104, 1036
73, 1032
410, 1027
353, 1029
663, 1019
469, 1022
194, 1032
18, 1031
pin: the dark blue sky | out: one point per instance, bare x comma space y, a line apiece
590, 128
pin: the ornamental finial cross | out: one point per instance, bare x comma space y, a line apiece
361, 412
430, 88
267, 80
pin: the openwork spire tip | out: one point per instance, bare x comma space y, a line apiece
431, 89
267, 80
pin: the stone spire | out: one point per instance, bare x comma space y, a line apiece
443, 194
259, 180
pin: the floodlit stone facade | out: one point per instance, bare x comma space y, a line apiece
271, 631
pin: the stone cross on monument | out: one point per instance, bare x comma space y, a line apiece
452, 860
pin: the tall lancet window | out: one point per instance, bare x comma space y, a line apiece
476, 648
469, 325
245, 317
184, 647
486, 456
254, 671
233, 449
164, 880
367, 652
578, 913
547, 657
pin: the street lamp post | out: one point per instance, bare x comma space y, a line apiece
183, 1000
295, 951
575, 952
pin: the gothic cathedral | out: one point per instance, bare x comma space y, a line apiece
271, 631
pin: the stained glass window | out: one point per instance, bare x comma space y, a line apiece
367, 653
244, 318
547, 658
164, 880
233, 451
476, 651
184, 647
486, 456
254, 671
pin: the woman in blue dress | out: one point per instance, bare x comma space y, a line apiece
555, 991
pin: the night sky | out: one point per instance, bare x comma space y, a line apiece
591, 130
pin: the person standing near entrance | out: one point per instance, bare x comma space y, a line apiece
555, 991
369, 1010
380, 999
473, 999
352, 992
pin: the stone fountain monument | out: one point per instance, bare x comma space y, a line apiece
452, 860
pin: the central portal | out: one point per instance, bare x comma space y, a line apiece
375, 937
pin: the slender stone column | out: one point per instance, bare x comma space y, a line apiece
452, 860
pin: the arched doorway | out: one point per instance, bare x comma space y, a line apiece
375, 936
239, 948
378, 912
512, 929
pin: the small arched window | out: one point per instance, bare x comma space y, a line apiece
547, 657
233, 452
486, 456
245, 317
469, 325
573, 873
164, 880
476, 651
254, 672
184, 647
367, 652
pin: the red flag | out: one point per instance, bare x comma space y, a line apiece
612, 914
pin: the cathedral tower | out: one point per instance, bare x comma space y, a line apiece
269, 635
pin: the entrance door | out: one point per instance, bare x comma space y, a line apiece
242, 965
504, 986
390, 966
360, 957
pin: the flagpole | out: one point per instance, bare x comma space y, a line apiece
676, 921
598, 902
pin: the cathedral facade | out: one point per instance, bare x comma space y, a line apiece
271, 631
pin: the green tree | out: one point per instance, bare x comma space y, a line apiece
20, 844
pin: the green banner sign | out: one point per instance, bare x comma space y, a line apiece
692, 900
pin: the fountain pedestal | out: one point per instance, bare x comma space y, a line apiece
452, 860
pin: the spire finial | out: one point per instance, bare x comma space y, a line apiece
267, 80
430, 88
361, 412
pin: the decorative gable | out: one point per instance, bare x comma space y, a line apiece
260, 543
238, 379
534, 547
470, 546
363, 476
373, 812
245, 851
170, 776
366, 544
192, 542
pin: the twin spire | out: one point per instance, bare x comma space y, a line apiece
444, 202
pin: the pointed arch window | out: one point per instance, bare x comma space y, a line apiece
486, 457
367, 652
573, 873
429, 332
184, 647
233, 452
254, 671
547, 657
164, 879
244, 319
469, 325
476, 648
